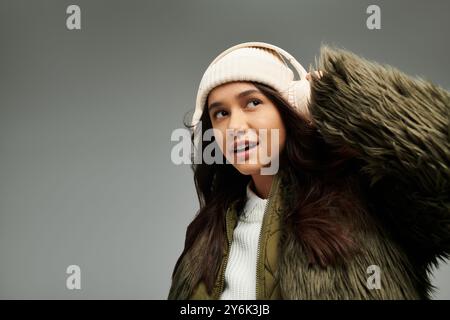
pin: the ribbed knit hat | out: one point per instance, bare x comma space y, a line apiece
254, 61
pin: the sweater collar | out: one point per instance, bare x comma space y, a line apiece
254, 207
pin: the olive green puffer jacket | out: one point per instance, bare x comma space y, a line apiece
399, 125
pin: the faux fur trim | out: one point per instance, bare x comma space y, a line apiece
400, 126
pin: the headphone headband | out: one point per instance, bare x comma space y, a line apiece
298, 67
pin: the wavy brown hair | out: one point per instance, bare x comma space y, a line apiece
324, 194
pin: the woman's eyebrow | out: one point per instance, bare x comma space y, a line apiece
238, 96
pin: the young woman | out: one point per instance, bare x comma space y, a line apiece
358, 205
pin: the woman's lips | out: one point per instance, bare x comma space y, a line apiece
249, 146
245, 153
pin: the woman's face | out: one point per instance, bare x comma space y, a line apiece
240, 113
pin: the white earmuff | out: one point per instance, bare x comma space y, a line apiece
299, 94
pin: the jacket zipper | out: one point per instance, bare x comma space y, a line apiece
222, 277
265, 217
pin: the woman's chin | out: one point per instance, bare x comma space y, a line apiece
248, 169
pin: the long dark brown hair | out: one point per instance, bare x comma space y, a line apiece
323, 196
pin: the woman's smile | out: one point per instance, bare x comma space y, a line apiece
243, 150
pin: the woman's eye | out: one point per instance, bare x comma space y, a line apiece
252, 103
256, 101
216, 115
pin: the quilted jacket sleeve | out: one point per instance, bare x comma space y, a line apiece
399, 125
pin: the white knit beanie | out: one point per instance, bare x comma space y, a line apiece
254, 61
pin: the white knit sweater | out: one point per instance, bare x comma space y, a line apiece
240, 272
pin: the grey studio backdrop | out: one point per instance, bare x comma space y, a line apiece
86, 117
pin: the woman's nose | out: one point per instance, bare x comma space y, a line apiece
238, 122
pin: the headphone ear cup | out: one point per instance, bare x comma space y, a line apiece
299, 95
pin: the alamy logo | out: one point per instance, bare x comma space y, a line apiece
73, 22
374, 281
73, 281
374, 20
263, 150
